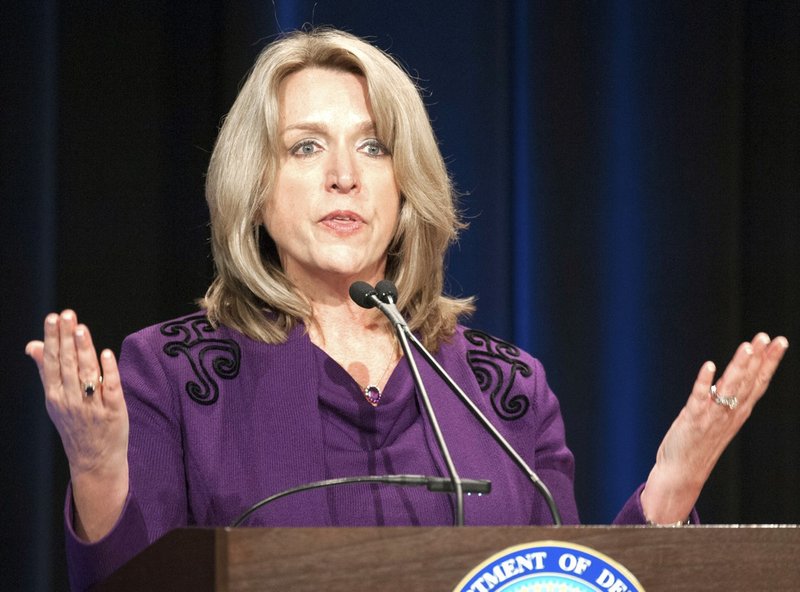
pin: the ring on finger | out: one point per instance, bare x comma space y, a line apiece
90, 387
729, 402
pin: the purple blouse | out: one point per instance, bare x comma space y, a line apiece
220, 421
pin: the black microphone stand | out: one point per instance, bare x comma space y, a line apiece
387, 293
364, 295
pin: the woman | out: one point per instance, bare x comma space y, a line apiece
325, 172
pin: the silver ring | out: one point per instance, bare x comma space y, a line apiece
89, 387
729, 402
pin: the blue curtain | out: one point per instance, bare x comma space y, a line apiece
28, 206
630, 173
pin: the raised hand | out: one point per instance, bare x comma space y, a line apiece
706, 425
84, 400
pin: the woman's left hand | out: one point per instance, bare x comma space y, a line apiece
705, 426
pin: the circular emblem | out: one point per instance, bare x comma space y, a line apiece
549, 566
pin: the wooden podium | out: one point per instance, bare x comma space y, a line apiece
388, 559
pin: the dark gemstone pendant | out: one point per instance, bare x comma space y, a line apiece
373, 395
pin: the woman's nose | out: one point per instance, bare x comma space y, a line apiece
342, 176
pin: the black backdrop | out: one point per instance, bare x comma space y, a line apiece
630, 170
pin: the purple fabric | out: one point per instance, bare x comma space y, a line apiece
219, 421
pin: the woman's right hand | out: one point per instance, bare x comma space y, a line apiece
93, 428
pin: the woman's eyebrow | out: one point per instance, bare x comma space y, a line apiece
365, 127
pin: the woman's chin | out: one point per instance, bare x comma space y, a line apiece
338, 270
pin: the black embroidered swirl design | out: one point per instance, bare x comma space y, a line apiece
208, 357
496, 366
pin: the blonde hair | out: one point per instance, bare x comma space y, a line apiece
250, 292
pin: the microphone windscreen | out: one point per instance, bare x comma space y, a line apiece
360, 292
385, 289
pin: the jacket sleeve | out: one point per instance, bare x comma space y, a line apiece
632, 512
510, 386
157, 501
554, 462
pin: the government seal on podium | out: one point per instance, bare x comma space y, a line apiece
549, 566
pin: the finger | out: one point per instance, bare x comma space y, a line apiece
730, 382
35, 350
51, 373
759, 344
745, 387
771, 358
112, 385
68, 356
705, 378
88, 366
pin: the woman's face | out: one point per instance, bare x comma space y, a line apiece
335, 204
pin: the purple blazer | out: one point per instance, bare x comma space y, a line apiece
219, 421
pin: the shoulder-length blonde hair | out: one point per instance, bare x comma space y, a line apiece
249, 279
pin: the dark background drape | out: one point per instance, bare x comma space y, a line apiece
630, 172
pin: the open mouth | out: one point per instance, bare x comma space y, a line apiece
343, 221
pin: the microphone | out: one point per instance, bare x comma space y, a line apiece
367, 297
361, 293
434, 484
386, 291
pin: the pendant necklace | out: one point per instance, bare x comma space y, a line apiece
371, 392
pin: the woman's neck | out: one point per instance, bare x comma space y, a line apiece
336, 321
334, 315
359, 339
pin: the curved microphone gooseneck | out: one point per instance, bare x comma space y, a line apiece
365, 296
434, 484
387, 292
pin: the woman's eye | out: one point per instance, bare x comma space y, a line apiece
374, 148
305, 148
